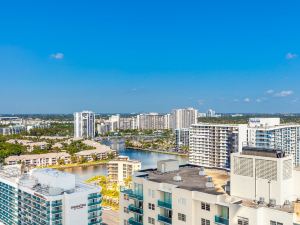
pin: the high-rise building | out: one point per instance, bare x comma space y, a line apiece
47, 196
184, 118
260, 190
269, 133
114, 121
182, 137
122, 168
211, 144
150, 121
84, 124
211, 113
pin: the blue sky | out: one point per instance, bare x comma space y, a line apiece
134, 56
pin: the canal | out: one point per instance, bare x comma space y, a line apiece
148, 159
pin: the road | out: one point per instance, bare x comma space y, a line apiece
110, 217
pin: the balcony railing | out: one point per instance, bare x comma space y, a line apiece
163, 204
164, 219
94, 196
131, 194
132, 221
94, 203
221, 220
133, 208
95, 209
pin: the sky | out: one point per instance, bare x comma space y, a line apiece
149, 56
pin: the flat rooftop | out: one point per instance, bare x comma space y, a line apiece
190, 178
32, 181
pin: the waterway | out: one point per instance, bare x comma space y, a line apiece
148, 160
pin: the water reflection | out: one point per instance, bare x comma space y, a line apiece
148, 159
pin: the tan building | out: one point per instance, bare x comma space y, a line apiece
121, 168
38, 159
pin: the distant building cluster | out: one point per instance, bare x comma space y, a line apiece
14, 125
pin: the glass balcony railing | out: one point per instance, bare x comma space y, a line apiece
132, 221
94, 209
98, 221
221, 220
131, 194
94, 196
94, 203
164, 219
135, 209
163, 204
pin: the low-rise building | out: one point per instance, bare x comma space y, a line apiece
30, 145
47, 159
47, 196
261, 189
121, 168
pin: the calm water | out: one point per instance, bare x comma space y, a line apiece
148, 159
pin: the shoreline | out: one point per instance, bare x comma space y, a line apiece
67, 166
157, 151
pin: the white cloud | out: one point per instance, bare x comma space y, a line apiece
270, 91
258, 100
290, 56
57, 56
247, 99
284, 93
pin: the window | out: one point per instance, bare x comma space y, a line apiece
275, 223
243, 221
126, 210
151, 220
181, 217
151, 206
205, 222
205, 206
126, 222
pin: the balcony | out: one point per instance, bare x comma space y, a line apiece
98, 221
132, 221
133, 208
95, 209
164, 219
132, 195
94, 203
94, 196
163, 204
221, 220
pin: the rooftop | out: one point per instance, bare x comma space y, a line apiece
47, 182
190, 178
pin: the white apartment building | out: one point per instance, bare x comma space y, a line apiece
211, 144
150, 121
121, 168
269, 133
260, 190
184, 118
84, 124
47, 197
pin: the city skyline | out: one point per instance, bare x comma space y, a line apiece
141, 57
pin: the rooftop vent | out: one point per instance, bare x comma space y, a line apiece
261, 200
201, 171
272, 202
209, 183
177, 178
